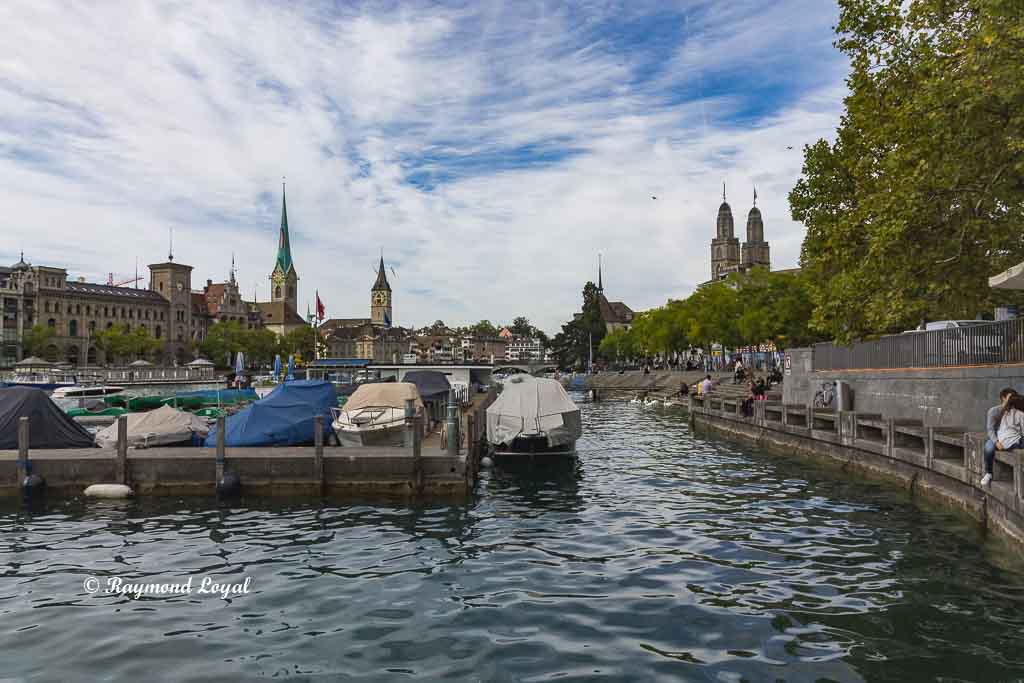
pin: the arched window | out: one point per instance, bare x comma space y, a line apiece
46, 306
78, 309
277, 292
161, 286
51, 323
73, 328
158, 331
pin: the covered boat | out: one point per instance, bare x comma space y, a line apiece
284, 418
164, 426
374, 414
48, 426
533, 415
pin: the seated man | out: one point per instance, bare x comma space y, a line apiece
993, 420
706, 386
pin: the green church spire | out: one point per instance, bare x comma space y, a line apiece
284, 247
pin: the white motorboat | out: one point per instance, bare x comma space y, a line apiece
86, 391
374, 414
533, 416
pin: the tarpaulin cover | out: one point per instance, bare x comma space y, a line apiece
430, 383
384, 395
530, 406
48, 425
159, 427
283, 418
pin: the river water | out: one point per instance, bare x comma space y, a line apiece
658, 556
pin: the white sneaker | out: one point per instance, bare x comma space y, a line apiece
986, 480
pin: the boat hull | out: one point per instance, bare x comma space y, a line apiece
527, 447
372, 436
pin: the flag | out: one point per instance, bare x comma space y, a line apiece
319, 308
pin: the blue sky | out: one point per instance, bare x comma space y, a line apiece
491, 149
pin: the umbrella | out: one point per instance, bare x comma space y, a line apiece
277, 366
291, 367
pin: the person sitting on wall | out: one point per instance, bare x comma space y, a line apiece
1005, 428
705, 386
748, 402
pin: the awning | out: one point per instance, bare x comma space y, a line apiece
1012, 278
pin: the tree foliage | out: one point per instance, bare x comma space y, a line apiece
572, 345
35, 340
921, 196
119, 342
747, 309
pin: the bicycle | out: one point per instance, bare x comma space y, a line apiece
825, 397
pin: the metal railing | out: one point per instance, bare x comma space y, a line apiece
995, 343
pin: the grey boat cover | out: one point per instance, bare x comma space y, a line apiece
430, 383
48, 425
530, 406
165, 425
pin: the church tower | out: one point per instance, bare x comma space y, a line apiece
725, 247
284, 281
380, 298
755, 249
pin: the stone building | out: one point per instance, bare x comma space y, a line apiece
726, 254
76, 310
372, 338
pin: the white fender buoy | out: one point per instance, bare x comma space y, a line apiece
486, 462
109, 491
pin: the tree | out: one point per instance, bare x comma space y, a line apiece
120, 342
484, 328
260, 346
223, 341
572, 345
300, 342
35, 340
521, 327
921, 196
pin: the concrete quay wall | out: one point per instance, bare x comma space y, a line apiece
938, 463
945, 397
263, 471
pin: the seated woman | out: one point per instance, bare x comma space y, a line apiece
1010, 435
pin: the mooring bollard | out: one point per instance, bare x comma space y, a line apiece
453, 424
121, 470
23, 465
318, 451
410, 422
32, 485
417, 453
228, 483
220, 448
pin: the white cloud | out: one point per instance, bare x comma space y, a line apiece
120, 122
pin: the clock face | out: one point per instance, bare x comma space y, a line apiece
378, 299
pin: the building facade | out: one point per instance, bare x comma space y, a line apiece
76, 310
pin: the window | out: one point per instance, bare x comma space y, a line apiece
73, 328
51, 323
78, 309
109, 325
147, 314
277, 292
46, 306
92, 326
131, 313
161, 285
158, 332
88, 309
56, 307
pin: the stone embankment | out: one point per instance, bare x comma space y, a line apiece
662, 385
940, 462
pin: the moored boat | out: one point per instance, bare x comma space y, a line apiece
86, 391
533, 416
374, 414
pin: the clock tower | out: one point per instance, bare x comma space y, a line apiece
173, 281
380, 298
284, 281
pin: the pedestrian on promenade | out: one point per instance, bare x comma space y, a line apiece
995, 419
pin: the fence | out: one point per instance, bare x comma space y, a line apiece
976, 344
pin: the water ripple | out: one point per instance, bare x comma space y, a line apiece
657, 555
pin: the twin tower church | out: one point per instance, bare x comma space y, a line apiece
727, 256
